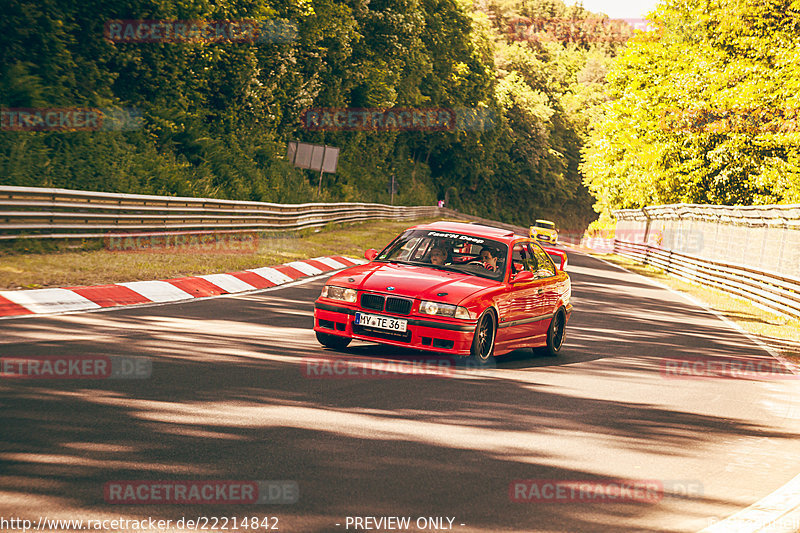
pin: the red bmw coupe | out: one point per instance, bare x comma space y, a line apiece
459, 289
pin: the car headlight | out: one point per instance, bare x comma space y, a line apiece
439, 309
339, 293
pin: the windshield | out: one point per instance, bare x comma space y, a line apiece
545, 225
448, 251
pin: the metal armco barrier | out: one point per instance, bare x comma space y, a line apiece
749, 251
519, 230
760, 237
776, 291
45, 213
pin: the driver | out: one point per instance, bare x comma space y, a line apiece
488, 256
438, 256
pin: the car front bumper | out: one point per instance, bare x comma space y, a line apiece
451, 337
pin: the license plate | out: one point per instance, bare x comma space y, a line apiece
381, 322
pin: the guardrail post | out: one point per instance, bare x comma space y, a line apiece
784, 233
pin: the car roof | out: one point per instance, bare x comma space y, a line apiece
543, 220
476, 230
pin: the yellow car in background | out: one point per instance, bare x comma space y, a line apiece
544, 231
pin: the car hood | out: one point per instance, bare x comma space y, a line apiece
412, 281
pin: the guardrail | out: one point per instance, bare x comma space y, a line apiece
43, 213
765, 237
519, 230
778, 292
747, 215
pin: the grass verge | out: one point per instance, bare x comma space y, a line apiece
29, 264
780, 333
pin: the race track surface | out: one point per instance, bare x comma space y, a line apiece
230, 398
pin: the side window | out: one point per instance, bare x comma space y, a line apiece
546, 268
522, 258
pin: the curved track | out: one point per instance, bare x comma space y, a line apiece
229, 399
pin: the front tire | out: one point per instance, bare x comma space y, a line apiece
334, 342
556, 333
482, 349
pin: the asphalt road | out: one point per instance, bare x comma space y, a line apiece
229, 398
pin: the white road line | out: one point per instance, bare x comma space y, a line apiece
764, 515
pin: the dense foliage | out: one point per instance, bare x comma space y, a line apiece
217, 115
703, 110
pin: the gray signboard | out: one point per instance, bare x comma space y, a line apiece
313, 156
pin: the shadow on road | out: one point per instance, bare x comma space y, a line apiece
228, 399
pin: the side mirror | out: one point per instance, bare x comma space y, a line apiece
559, 257
525, 275
370, 254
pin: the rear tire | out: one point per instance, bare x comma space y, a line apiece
556, 333
334, 342
482, 349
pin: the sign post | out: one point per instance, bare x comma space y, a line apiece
313, 157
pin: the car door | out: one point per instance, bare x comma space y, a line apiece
520, 306
546, 274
